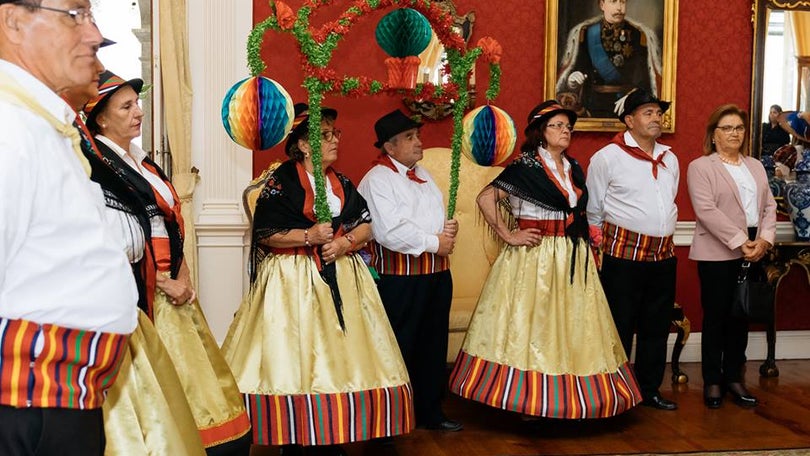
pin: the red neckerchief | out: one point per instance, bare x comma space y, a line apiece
639, 153
385, 160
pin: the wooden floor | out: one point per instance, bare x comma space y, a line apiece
782, 420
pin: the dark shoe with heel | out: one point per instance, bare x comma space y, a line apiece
741, 395
659, 403
446, 425
713, 396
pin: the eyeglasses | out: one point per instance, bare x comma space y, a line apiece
560, 126
329, 135
727, 129
80, 16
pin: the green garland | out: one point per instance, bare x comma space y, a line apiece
319, 80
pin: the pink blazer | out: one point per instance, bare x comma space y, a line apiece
720, 226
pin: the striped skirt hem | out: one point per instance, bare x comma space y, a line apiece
330, 418
565, 396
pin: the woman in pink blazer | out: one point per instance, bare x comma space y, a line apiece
736, 222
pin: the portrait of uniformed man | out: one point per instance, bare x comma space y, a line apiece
606, 56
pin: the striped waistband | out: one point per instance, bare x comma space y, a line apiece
622, 243
546, 227
389, 262
73, 368
293, 251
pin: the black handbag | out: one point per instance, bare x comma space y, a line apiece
753, 296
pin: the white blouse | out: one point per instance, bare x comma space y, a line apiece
331, 198
748, 191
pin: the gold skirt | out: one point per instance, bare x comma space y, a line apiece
306, 381
542, 345
146, 412
209, 386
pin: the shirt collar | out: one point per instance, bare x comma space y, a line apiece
53, 103
548, 158
400, 167
135, 152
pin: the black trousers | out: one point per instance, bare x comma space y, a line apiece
419, 310
724, 338
51, 431
641, 295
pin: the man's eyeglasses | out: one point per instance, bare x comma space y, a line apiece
81, 16
560, 126
727, 129
329, 135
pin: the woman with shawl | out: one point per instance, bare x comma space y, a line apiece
542, 341
311, 346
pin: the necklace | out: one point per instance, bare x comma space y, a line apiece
727, 161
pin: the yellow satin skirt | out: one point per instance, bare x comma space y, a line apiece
306, 381
146, 412
542, 344
209, 386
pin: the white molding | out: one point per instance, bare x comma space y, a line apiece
217, 35
685, 230
789, 345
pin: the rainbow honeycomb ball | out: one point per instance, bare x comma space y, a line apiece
489, 136
257, 113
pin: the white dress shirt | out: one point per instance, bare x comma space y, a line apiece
748, 191
623, 191
59, 262
157, 223
406, 216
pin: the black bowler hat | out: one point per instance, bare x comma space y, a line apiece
637, 97
546, 110
301, 123
392, 124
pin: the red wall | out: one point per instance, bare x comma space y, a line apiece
714, 67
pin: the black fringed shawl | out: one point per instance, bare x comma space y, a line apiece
147, 194
527, 179
120, 195
287, 202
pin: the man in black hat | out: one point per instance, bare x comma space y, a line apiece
633, 182
67, 296
412, 242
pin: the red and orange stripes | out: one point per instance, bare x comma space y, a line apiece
328, 419
50, 366
622, 243
387, 261
565, 396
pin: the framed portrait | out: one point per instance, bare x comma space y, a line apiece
599, 50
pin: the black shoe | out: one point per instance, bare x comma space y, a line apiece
660, 403
713, 396
291, 450
741, 395
326, 450
445, 425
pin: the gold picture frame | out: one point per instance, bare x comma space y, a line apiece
567, 23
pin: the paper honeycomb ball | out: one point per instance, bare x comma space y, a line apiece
489, 136
403, 32
257, 113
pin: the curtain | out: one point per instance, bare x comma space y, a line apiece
176, 82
